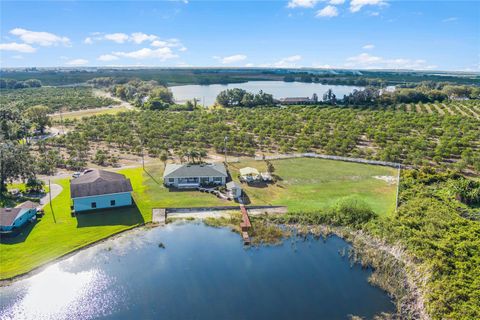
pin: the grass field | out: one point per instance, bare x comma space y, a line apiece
87, 113
306, 185
58, 233
310, 184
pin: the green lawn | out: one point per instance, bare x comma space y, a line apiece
309, 184
47, 239
306, 185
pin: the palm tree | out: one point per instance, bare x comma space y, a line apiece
193, 154
202, 154
164, 158
184, 154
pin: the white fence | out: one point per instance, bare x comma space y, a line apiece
330, 157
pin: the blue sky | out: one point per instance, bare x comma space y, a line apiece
359, 34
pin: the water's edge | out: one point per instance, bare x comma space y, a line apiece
10, 280
368, 251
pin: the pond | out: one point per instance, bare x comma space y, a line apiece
201, 273
206, 94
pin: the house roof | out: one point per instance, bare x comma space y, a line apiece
8, 215
233, 184
195, 170
98, 182
27, 205
249, 171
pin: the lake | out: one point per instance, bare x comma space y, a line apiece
202, 273
206, 94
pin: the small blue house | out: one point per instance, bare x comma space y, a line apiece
99, 189
14, 218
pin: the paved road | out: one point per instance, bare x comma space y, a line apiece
55, 189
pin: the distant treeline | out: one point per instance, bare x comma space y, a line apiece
56, 99
422, 93
241, 98
14, 84
346, 81
212, 76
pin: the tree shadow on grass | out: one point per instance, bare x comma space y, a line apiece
19, 235
124, 216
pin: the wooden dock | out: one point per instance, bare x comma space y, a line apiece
245, 225
159, 216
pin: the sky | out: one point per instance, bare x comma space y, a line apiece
351, 34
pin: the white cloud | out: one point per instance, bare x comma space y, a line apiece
451, 19
139, 37
368, 61
328, 12
107, 57
117, 37
357, 5
184, 65
19, 47
77, 62
288, 62
146, 53
17, 57
302, 3
171, 43
363, 59
322, 66
368, 46
231, 59
336, 2
249, 65
40, 38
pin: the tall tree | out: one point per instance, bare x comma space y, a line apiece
38, 116
15, 163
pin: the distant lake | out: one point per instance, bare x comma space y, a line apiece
202, 273
206, 94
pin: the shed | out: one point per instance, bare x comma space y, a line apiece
234, 189
249, 174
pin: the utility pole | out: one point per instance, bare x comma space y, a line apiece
398, 186
225, 142
51, 206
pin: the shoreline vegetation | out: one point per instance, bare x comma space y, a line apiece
392, 268
435, 213
425, 252
367, 251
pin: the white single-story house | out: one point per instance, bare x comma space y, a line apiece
99, 189
194, 175
15, 218
234, 189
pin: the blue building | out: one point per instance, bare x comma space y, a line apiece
14, 218
99, 189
